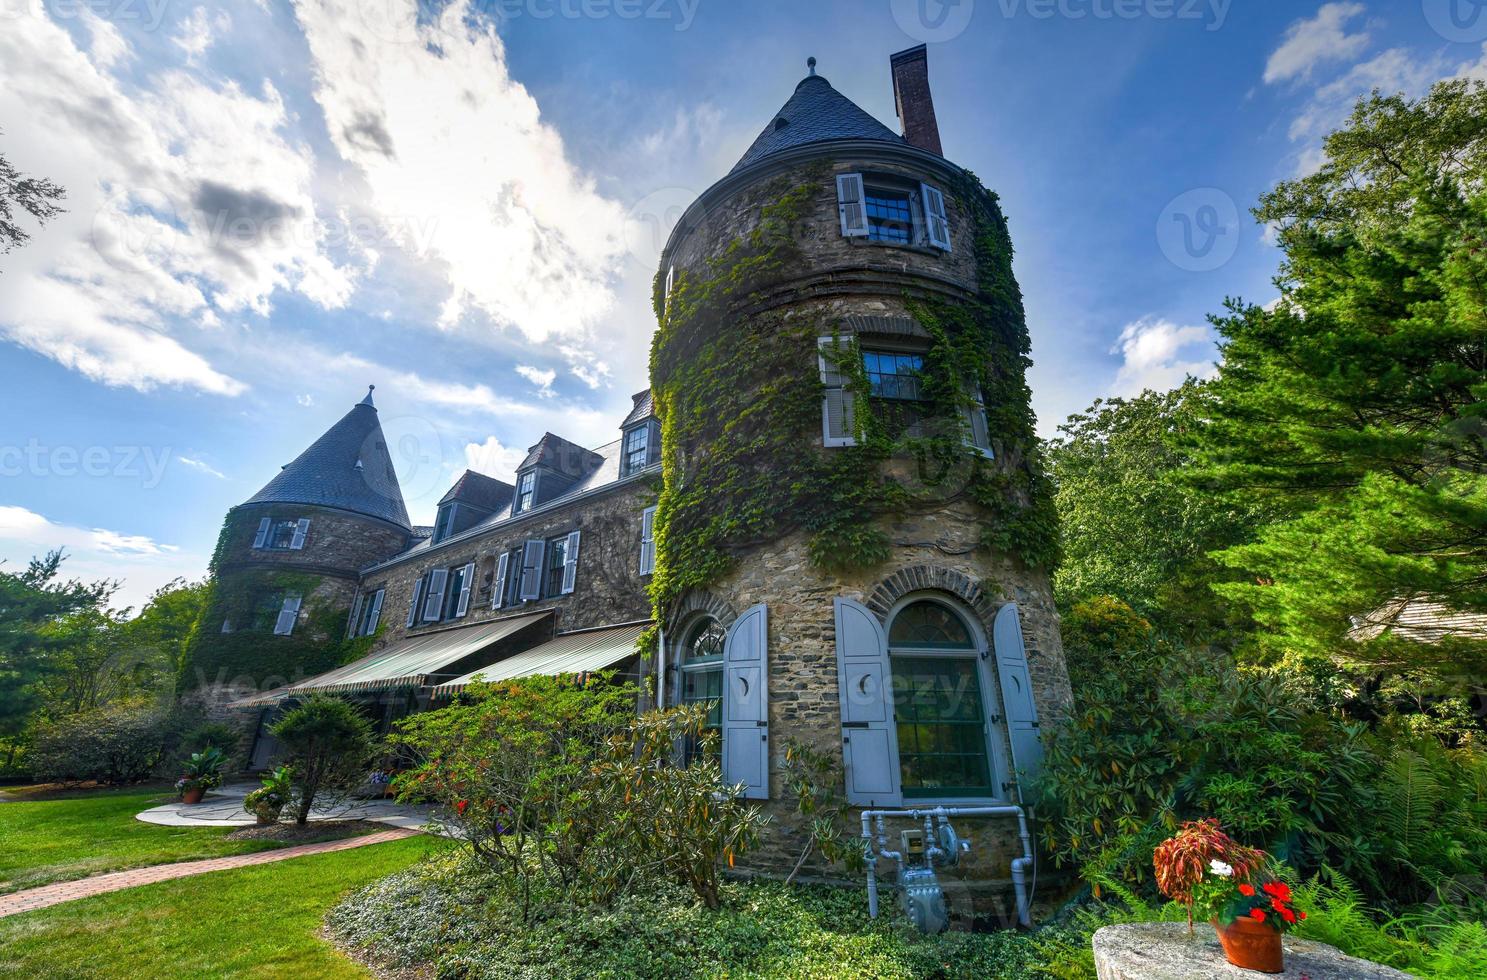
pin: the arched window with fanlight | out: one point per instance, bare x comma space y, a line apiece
940, 703
701, 668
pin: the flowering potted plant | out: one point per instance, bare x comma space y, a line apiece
1226, 882
203, 771
266, 802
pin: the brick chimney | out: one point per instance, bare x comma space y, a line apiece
912, 100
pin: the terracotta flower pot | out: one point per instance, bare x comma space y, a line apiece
193, 795
1251, 945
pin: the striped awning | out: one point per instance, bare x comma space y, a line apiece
412, 663
571, 653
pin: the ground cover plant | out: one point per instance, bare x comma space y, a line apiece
94, 832
249, 922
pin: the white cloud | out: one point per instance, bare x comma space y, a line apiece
304, 401
202, 466
519, 234
586, 366
542, 379
199, 32
185, 200
1309, 43
494, 459
142, 563
1159, 355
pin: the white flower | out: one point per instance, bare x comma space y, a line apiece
1220, 868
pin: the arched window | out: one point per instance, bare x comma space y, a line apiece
939, 699
701, 665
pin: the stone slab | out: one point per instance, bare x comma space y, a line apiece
223, 807
1165, 951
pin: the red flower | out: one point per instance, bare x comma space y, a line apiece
1257, 914
1302, 914
1246, 889
1288, 915
460, 805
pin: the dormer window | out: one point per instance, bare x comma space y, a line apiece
444, 524
640, 448
526, 492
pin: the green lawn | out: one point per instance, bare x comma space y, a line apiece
42, 841
253, 922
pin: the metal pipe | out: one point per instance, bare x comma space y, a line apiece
1020, 866
660, 667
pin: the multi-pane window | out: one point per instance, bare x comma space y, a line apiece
702, 682
453, 586
889, 216
526, 491
637, 448
266, 609
894, 374
281, 535
939, 707
555, 557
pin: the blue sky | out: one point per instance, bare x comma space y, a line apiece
274, 204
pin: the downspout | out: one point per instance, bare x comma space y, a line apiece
660, 666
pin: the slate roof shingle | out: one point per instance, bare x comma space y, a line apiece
816, 113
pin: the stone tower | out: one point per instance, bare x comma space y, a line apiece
286, 568
850, 466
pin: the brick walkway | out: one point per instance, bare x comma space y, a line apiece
66, 891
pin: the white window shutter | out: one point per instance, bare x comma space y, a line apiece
935, 220
666, 296
838, 405
1017, 699
570, 563
498, 587
301, 529
413, 602
531, 569
850, 205
978, 437
865, 687
648, 541
746, 703
374, 618
261, 538
353, 627
467, 579
288, 614
433, 603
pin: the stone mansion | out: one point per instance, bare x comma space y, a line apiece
927, 664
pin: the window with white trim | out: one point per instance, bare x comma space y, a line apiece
892, 210
526, 492
701, 668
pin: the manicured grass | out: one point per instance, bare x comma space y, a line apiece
77, 835
251, 922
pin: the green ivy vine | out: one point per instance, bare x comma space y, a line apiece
739, 407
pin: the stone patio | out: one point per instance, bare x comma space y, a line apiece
223, 807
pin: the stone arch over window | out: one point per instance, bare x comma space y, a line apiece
695, 632
698, 601
933, 578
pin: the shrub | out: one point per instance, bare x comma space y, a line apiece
555, 784
118, 744
328, 745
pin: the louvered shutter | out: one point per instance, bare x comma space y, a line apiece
301, 529
414, 602
498, 587
261, 537
865, 687
666, 296
531, 569
433, 601
353, 627
936, 223
838, 405
648, 541
467, 579
850, 205
374, 618
1017, 699
570, 563
288, 614
977, 435
746, 703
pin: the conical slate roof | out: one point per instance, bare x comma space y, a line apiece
348, 468
816, 113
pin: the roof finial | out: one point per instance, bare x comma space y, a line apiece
368, 400
811, 64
